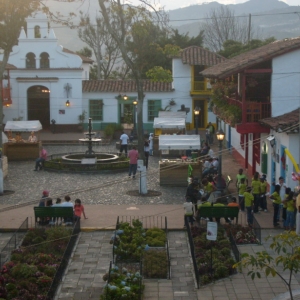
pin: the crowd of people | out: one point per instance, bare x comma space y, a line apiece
252, 198
47, 201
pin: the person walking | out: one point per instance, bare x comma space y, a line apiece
146, 152
151, 144
211, 129
188, 212
124, 138
256, 192
248, 198
40, 161
239, 176
133, 158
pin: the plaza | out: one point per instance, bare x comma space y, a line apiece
105, 196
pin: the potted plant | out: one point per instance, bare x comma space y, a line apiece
128, 119
81, 119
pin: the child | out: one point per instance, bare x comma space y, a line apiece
275, 197
78, 210
242, 189
188, 212
249, 205
289, 222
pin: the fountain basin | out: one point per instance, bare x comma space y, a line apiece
72, 162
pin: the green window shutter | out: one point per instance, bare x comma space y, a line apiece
96, 109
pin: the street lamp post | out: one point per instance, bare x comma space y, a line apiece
197, 112
220, 138
135, 102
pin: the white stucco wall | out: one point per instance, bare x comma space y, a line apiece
285, 88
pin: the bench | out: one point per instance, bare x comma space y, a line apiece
43, 213
218, 212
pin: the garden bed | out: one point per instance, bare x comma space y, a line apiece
241, 234
36, 268
213, 259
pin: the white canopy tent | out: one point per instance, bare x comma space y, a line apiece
179, 142
23, 126
169, 123
172, 114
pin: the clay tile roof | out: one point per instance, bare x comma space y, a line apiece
117, 86
251, 58
9, 66
195, 55
84, 58
285, 122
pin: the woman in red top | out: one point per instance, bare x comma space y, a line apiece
79, 209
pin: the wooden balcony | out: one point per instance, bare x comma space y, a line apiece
254, 112
200, 87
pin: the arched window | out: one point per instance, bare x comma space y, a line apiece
37, 32
44, 61
30, 61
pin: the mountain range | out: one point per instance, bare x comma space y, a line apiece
269, 18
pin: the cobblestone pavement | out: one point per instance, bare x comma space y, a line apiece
102, 188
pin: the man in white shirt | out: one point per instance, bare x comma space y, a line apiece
68, 203
123, 142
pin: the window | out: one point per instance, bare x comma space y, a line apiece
153, 108
30, 61
44, 61
96, 110
37, 32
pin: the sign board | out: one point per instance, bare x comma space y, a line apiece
89, 161
212, 231
165, 151
140, 164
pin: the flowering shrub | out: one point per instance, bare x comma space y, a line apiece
242, 234
29, 274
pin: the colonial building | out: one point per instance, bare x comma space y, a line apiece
260, 99
50, 83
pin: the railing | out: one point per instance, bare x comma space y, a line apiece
200, 86
148, 222
64, 262
13, 243
234, 247
254, 110
191, 243
257, 229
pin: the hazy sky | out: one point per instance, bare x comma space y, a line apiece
173, 4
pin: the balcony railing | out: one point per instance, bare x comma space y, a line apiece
200, 86
254, 110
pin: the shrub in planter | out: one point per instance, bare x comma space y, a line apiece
30, 272
155, 237
155, 264
122, 285
241, 234
221, 255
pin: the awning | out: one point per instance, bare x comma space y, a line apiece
23, 126
169, 123
179, 142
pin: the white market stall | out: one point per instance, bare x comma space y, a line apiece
174, 172
167, 126
18, 148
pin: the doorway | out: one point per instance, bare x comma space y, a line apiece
203, 113
38, 105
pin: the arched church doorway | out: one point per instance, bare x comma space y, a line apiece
38, 105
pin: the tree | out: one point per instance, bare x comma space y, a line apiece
131, 29
233, 48
221, 25
103, 45
287, 246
